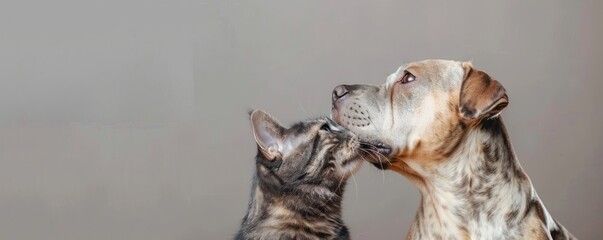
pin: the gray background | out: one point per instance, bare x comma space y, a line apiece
127, 119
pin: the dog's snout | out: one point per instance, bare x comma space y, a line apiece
339, 92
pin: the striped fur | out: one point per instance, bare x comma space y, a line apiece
301, 198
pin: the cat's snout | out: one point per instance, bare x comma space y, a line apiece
354, 142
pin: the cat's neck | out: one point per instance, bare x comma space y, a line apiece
317, 209
308, 200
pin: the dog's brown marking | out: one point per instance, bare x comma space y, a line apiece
442, 139
534, 229
402, 168
465, 234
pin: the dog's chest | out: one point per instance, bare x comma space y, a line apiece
458, 220
472, 206
452, 225
497, 229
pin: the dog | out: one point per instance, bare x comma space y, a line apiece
437, 123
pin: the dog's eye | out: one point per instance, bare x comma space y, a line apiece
408, 77
325, 127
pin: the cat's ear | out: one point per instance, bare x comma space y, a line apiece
268, 134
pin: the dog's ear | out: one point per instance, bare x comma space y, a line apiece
268, 134
481, 96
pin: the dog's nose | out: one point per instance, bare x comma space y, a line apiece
339, 92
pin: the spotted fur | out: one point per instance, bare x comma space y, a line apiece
481, 192
444, 133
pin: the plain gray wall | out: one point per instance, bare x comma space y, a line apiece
128, 119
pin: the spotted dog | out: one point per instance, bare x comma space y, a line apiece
437, 123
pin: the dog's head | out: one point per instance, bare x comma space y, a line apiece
421, 112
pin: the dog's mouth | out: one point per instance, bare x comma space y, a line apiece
378, 153
379, 147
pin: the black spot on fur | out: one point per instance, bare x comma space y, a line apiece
557, 234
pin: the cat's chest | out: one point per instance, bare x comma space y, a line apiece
282, 221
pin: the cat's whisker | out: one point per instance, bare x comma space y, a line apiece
374, 150
379, 155
299, 102
384, 157
340, 181
368, 151
355, 184
356, 153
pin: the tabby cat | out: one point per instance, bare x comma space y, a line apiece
300, 174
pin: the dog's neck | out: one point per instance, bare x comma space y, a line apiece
480, 189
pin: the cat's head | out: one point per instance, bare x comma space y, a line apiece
314, 152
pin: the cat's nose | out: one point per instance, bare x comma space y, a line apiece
339, 92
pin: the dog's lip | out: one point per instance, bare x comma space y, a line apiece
380, 147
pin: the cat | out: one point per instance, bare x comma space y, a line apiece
301, 171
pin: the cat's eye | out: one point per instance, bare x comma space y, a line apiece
407, 77
325, 127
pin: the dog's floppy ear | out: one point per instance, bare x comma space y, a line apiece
481, 96
268, 134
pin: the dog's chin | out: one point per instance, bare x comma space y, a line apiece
376, 153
